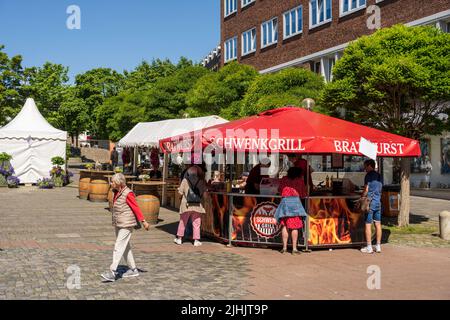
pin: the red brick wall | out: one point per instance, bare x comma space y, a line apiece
338, 31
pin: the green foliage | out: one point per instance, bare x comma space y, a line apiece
397, 79
287, 87
4, 157
219, 92
58, 161
11, 75
47, 86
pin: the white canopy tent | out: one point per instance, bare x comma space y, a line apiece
148, 134
32, 142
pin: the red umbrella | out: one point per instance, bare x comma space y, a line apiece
292, 130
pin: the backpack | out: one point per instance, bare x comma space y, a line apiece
193, 195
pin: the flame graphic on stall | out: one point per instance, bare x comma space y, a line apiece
330, 222
239, 215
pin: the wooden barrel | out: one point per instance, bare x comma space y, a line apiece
149, 206
98, 190
83, 188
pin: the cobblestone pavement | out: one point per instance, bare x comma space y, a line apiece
44, 232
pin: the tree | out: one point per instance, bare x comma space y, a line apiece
220, 92
11, 77
398, 80
145, 74
47, 85
94, 86
287, 87
73, 114
163, 99
167, 98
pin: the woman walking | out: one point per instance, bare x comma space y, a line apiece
289, 212
126, 216
191, 189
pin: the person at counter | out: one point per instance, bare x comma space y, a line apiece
373, 190
243, 182
290, 211
217, 183
255, 176
303, 164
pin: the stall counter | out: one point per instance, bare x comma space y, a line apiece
331, 220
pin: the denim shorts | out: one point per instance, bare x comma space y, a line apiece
373, 215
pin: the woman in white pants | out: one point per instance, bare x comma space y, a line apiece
126, 216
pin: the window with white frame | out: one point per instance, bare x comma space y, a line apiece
230, 7
293, 22
269, 33
245, 3
248, 41
231, 49
320, 12
347, 6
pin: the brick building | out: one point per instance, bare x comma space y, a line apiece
274, 34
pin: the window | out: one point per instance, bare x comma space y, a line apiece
246, 3
249, 41
293, 22
331, 63
230, 7
320, 12
269, 33
316, 68
231, 49
348, 6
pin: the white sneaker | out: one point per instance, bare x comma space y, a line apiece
367, 250
178, 241
197, 243
378, 248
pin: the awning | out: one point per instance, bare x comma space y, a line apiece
148, 134
292, 130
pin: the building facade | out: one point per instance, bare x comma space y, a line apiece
271, 35
275, 34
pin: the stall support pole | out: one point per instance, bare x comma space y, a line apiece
165, 174
135, 159
306, 235
230, 221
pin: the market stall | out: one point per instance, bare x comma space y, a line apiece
236, 217
144, 138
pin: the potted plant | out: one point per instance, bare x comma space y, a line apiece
6, 169
13, 182
45, 183
57, 173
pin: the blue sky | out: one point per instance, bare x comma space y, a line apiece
114, 33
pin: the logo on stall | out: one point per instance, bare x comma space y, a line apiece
263, 220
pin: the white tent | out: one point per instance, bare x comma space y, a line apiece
148, 134
32, 142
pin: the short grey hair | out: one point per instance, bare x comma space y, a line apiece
119, 179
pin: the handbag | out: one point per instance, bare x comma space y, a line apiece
363, 204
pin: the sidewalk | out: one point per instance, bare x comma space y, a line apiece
443, 194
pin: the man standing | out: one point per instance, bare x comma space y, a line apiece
114, 158
372, 190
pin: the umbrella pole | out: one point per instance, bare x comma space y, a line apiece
306, 234
165, 174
